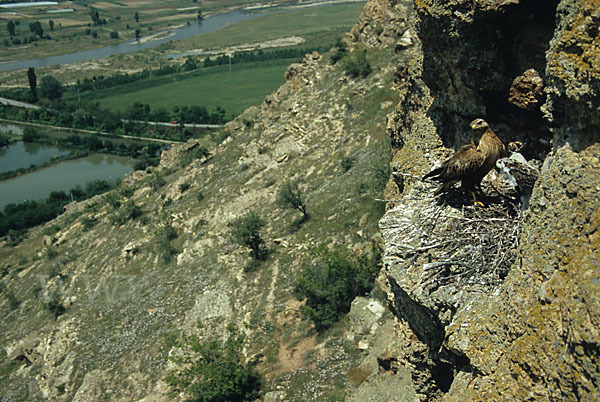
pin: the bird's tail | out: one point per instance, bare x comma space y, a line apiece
443, 188
434, 172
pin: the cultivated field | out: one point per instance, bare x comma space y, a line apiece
244, 86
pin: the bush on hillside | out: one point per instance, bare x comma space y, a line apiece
356, 64
330, 280
245, 231
214, 371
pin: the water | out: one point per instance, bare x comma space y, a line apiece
208, 25
22, 155
63, 176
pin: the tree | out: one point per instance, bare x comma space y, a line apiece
10, 27
136, 16
114, 34
199, 16
245, 231
4, 140
36, 28
51, 25
51, 88
290, 197
32, 82
137, 34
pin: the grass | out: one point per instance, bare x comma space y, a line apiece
234, 91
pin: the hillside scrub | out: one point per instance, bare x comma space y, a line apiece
214, 371
245, 231
330, 280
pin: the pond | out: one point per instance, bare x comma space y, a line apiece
22, 155
63, 176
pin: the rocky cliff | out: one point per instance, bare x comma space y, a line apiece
499, 302
494, 303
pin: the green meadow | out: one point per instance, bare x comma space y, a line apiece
245, 85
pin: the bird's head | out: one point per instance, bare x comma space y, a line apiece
479, 126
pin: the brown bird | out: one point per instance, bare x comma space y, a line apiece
472, 162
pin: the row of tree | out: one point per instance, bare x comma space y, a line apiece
191, 63
17, 217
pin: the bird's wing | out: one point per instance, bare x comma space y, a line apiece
525, 174
465, 161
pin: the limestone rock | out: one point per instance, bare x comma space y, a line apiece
526, 90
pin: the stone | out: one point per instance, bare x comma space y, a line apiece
526, 91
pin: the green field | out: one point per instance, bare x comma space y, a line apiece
244, 86
302, 22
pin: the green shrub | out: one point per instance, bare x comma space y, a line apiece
214, 371
55, 306
88, 222
183, 187
341, 48
13, 302
128, 211
330, 280
15, 237
157, 181
252, 265
164, 235
245, 231
346, 163
356, 64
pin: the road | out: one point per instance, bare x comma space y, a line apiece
11, 102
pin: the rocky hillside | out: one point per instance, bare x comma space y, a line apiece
96, 303
478, 303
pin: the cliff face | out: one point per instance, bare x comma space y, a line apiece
494, 303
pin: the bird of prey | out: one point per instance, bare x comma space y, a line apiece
520, 173
471, 163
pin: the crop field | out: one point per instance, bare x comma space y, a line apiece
304, 22
71, 19
234, 90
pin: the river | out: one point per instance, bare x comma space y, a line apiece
208, 25
63, 176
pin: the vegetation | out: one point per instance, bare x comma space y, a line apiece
356, 64
330, 280
245, 231
289, 196
51, 88
214, 371
55, 306
126, 212
341, 49
4, 140
164, 235
32, 213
